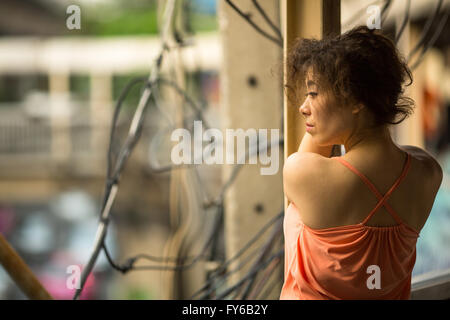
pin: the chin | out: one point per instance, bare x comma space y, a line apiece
323, 142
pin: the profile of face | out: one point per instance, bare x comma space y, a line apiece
326, 121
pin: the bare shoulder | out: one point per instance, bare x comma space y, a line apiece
430, 165
419, 153
304, 164
430, 175
303, 174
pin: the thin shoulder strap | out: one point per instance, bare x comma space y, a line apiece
382, 199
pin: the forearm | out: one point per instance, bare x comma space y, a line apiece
307, 145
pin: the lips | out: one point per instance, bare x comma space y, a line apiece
309, 125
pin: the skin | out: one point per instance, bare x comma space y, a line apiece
310, 176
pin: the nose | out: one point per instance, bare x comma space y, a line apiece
304, 108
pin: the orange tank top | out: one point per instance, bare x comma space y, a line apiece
349, 262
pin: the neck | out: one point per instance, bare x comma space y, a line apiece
371, 139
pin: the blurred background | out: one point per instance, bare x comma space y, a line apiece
58, 89
57, 93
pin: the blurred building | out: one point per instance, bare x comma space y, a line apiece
57, 95
41, 19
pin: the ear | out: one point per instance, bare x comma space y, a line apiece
357, 108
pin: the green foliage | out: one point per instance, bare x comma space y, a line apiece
136, 293
128, 22
203, 22
80, 86
128, 19
132, 99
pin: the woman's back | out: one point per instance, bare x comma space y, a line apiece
360, 243
350, 199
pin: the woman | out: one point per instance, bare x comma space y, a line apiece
353, 221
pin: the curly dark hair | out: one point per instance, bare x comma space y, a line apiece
359, 66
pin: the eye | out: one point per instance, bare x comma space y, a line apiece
311, 93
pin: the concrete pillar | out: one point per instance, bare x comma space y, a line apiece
251, 98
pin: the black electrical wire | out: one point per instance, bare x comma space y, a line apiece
268, 246
189, 100
433, 39
130, 262
215, 280
404, 22
222, 268
385, 10
197, 110
267, 19
264, 280
113, 176
235, 172
250, 275
263, 254
134, 133
247, 18
425, 31
251, 282
129, 265
118, 106
113, 172
132, 82
269, 287
250, 242
109, 196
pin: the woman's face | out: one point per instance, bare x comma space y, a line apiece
325, 120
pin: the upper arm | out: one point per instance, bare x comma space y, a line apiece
301, 172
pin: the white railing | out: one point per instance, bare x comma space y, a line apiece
434, 285
29, 145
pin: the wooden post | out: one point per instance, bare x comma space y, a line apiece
21, 273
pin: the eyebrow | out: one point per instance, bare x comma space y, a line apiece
310, 83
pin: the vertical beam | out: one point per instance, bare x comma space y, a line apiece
251, 98
331, 21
